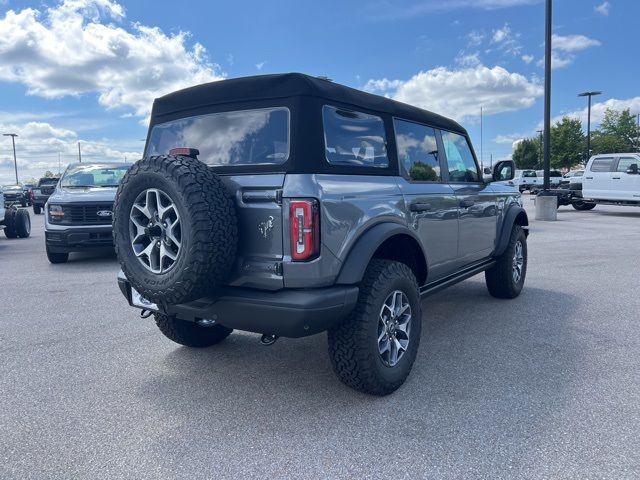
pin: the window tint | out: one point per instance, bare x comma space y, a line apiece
529, 173
417, 150
462, 166
602, 165
626, 162
354, 138
245, 137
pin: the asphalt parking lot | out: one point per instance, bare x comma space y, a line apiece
544, 386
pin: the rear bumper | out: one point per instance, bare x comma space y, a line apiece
78, 239
286, 313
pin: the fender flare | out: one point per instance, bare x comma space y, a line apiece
507, 225
362, 250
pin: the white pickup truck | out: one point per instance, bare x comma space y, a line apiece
611, 179
537, 182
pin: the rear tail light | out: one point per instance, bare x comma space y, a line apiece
305, 229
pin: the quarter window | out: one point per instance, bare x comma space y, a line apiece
461, 164
417, 150
354, 138
625, 162
602, 165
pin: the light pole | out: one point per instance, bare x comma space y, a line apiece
540, 132
13, 141
589, 95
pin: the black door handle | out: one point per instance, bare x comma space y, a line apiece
419, 207
615, 178
589, 178
467, 203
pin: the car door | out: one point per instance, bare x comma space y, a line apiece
596, 182
431, 206
625, 186
477, 201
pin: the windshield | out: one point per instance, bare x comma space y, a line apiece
93, 175
246, 137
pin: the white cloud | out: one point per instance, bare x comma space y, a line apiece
40, 144
460, 93
389, 10
468, 59
260, 65
566, 46
75, 48
604, 8
512, 139
475, 38
573, 43
527, 59
598, 109
501, 34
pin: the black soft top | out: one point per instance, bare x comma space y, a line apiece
283, 85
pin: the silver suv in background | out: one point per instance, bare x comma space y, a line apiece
289, 205
78, 213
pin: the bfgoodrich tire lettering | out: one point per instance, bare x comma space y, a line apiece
209, 233
354, 343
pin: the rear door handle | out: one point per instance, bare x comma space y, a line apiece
419, 207
615, 178
467, 203
589, 178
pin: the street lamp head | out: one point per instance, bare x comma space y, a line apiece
589, 94
10, 134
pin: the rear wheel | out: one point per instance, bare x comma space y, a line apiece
191, 334
10, 223
57, 257
373, 350
506, 278
23, 223
581, 205
37, 209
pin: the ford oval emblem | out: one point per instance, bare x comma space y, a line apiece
104, 213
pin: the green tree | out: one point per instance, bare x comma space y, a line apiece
527, 154
422, 171
567, 143
618, 133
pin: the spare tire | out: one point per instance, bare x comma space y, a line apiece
174, 229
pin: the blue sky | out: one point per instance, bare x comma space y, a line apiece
87, 70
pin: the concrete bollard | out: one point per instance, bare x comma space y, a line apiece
546, 207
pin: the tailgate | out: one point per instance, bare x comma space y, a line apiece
260, 242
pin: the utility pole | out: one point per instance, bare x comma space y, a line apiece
79, 154
13, 141
481, 141
58, 163
638, 130
589, 95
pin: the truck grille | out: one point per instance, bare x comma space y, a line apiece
87, 214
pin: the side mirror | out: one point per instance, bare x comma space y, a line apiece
633, 169
504, 170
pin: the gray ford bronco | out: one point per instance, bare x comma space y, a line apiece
289, 205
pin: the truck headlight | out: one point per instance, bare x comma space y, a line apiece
56, 213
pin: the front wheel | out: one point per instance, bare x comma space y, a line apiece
373, 350
37, 210
191, 334
57, 257
506, 278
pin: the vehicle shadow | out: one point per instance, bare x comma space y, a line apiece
483, 364
106, 255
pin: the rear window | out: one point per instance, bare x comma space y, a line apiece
602, 165
529, 173
354, 138
245, 137
47, 181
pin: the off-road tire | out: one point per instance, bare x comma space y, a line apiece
37, 210
499, 278
10, 230
583, 205
353, 343
57, 257
23, 223
190, 334
208, 225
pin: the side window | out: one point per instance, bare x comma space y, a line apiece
602, 164
417, 150
461, 164
625, 162
354, 138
